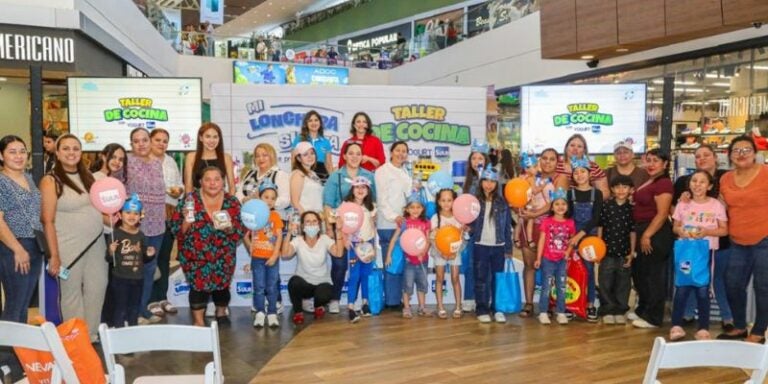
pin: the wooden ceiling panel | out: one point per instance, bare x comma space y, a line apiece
744, 12
640, 20
596, 26
693, 16
558, 28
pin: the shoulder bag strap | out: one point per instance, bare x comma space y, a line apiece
80, 256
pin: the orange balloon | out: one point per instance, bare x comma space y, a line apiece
592, 248
516, 192
448, 241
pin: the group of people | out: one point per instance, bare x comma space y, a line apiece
114, 268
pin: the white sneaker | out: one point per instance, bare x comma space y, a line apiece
562, 319
640, 323
499, 317
333, 307
620, 319
609, 319
210, 310
258, 320
272, 321
308, 305
280, 307
468, 306
544, 318
631, 315
485, 319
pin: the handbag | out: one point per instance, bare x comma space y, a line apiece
397, 265
508, 297
692, 262
376, 291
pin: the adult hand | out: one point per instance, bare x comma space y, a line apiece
21, 260
54, 264
537, 264
645, 245
271, 261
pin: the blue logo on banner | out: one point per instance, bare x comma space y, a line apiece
180, 288
442, 152
244, 288
282, 116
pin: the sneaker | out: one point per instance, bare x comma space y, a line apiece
353, 316
258, 320
468, 306
609, 319
320, 312
366, 310
592, 315
632, 316
702, 334
155, 319
640, 323
620, 319
499, 317
308, 305
562, 319
298, 318
143, 320
333, 307
544, 318
676, 333
155, 309
485, 319
280, 307
272, 321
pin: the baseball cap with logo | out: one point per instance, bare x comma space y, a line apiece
623, 144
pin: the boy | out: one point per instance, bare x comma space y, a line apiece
617, 230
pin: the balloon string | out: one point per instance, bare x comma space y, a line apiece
112, 238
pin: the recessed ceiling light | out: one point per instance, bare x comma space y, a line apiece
268, 15
3, 79
587, 57
622, 49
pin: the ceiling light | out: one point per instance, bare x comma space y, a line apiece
268, 15
760, 67
3, 79
622, 50
651, 88
587, 57
677, 82
689, 90
721, 84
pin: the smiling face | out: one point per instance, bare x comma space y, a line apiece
159, 143
699, 185
654, 165
445, 201
210, 139
69, 152
360, 192
361, 125
212, 182
130, 218
706, 160
115, 162
15, 156
140, 143
269, 196
353, 156
313, 124
742, 155
476, 160
548, 162
414, 210
308, 158
262, 159
399, 155
621, 192
581, 176
488, 186
623, 156
559, 207
576, 147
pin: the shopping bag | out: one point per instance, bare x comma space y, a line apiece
692, 262
52, 298
376, 291
397, 265
74, 335
507, 297
575, 288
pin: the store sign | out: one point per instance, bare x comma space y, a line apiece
374, 42
495, 13
36, 48
745, 106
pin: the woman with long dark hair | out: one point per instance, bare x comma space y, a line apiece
312, 132
110, 162
209, 151
371, 146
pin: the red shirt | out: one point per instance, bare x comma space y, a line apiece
645, 204
372, 147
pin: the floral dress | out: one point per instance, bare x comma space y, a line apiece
207, 255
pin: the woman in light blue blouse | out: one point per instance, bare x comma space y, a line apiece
312, 132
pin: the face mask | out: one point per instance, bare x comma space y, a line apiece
312, 230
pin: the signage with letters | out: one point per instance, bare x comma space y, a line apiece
37, 48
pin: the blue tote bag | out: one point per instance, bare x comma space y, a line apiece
692, 262
398, 257
376, 291
507, 297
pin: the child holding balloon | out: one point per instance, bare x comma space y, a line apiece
538, 199
446, 239
360, 249
414, 240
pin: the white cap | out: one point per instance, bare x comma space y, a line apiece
623, 144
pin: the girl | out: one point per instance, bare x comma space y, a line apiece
551, 252
129, 251
539, 199
264, 246
444, 217
312, 133
585, 203
110, 162
492, 236
209, 151
416, 265
478, 158
701, 217
360, 247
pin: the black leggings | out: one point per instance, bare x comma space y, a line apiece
199, 300
299, 289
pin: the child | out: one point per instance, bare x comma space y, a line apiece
701, 217
585, 203
492, 236
264, 246
360, 248
415, 265
555, 233
617, 230
128, 252
477, 160
538, 200
444, 217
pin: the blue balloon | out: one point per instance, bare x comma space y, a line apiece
254, 214
431, 208
439, 180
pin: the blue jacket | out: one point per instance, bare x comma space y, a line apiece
503, 220
337, 186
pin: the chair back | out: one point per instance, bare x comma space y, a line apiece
709, 353
43, 338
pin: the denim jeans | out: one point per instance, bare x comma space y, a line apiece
415, 274
338, 274
19, 288
126, 299
681, 298
718, 284
160, 287
265, 281
552, 272
393, 284
590, 267
748, 261
466, 269
487, 260
149, 274
358, 277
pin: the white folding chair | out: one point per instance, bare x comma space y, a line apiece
162, 338
710, 353
42, 338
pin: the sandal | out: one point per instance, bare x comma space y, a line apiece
457, 313
527, 310
677, 333
532, 244
407, 314
442, 314
752, 338
155, 309
423, 312
168, 307
518, 244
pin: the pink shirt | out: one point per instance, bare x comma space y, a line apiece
700, 215
556, 234
424, 226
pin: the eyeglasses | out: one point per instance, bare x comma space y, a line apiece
742, 151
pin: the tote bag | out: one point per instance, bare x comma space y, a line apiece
376, 291
692, 262
507, 297
398, 257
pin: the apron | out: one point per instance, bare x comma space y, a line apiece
582, 212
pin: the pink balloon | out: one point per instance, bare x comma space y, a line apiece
466, 208
108, 195
413, 242
351, 216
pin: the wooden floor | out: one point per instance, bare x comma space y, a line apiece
388, 349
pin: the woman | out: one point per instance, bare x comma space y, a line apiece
362, 133
110, 162
576, 146
174, 188
625, 165
265, 168
336, 189
653, 201
207, 238
311, 280
306, 187
478, 159
72, 229
20, 255
145, 178
745, 192
209, 151
312, 132
393, 184
547, 165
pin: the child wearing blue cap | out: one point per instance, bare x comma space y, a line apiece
128, 253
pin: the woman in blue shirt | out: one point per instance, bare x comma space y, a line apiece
312, 132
